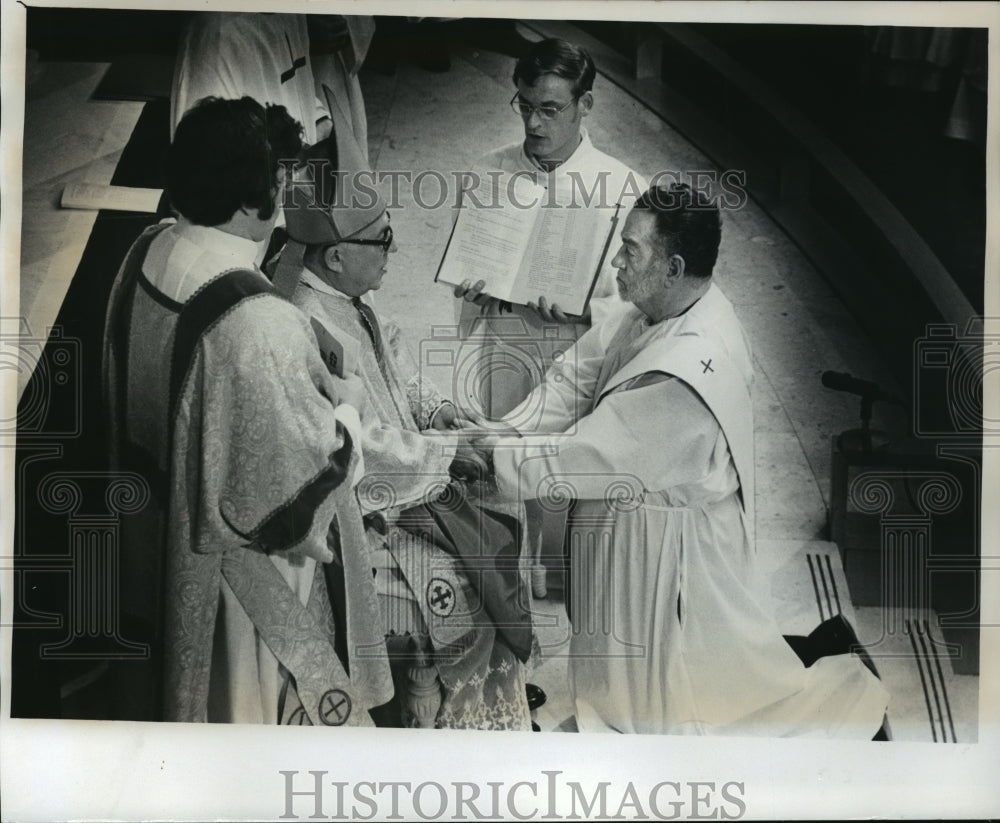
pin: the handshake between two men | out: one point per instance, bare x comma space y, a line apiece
473, 434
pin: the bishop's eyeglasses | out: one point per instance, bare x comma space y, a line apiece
525, 109
384, 240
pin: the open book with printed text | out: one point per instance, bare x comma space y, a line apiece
524, 244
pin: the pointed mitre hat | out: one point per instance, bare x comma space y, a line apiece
332, 196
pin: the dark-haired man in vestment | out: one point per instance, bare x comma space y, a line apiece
247, 567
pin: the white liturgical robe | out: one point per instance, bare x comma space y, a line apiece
263, 56
594, 180
649, 430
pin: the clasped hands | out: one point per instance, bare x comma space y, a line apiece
550, 314
473, 461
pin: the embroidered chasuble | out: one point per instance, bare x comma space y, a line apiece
424, 588
247, 563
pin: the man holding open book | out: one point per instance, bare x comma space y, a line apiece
554, 278
573, 191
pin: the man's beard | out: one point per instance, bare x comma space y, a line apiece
640, 290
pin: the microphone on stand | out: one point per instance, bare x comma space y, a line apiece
866, 389
860, 441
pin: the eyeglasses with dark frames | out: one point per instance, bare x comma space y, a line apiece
385, 241
525, 109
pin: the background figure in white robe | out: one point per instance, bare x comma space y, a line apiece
263, 56
286, 59
651, 431
339, 45
554, 81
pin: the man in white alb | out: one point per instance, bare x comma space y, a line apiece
554, 82
650, 423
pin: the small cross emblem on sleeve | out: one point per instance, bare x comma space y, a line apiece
708, 366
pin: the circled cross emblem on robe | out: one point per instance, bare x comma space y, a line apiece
334, 708
440, 597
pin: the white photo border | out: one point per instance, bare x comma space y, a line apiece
81, 770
